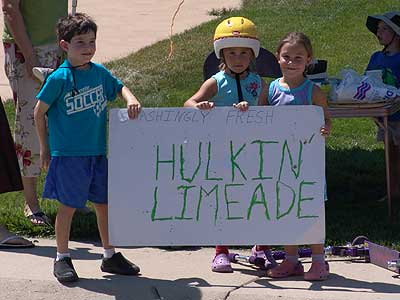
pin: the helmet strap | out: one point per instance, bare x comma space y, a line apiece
237, 79
239, 87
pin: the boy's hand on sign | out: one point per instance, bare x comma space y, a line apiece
134, 110
133, 106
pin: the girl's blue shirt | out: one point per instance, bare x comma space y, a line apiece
227, 93
302, 95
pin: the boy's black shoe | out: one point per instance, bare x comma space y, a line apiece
117, 264
64, 270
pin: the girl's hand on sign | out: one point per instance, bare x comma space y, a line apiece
205, 105
242, 106
326, 129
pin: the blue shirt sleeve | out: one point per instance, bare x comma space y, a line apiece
112, 84
51, 90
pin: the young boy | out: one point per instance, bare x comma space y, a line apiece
74, 97
386, 27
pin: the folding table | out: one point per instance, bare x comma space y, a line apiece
382, 110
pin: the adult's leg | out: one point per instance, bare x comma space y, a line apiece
32, 208
27, 147
30, 195
25, 139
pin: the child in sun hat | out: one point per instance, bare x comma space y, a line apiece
386, 28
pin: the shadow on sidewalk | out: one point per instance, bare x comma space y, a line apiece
84, 253
129, 288
81, 253
335, 283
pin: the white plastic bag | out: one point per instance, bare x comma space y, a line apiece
367, 88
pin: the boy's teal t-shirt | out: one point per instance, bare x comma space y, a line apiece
77, 120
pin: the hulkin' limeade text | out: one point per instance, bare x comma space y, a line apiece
221, 190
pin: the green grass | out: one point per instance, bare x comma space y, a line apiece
355, 161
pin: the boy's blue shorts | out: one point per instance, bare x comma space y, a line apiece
73, 180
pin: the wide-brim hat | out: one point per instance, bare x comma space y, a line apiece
392, 19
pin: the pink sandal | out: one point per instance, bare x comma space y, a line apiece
319, 271
286, 269
221, 264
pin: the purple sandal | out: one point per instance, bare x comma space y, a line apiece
270, 262
221, 264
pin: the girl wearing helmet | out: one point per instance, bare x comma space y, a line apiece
237, 46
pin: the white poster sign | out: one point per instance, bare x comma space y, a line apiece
182, 176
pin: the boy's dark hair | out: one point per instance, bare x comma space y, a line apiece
73, 25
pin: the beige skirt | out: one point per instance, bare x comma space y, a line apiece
25, 90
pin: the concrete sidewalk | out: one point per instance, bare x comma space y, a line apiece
178, 275
126, 26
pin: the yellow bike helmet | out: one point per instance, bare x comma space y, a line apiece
236, 32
